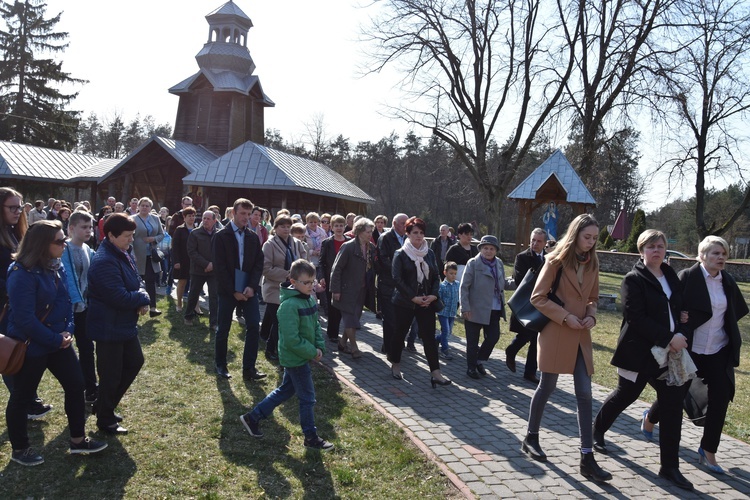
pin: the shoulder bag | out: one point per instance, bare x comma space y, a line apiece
520, 303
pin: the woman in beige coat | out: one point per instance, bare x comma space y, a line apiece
279, 252
564, 345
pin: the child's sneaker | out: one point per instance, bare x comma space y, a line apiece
27, 457
318, 443
86, 446
251, 425
446, 355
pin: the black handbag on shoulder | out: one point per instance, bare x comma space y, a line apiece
520, 303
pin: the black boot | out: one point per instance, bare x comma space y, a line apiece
591, 470
599, 444
531, 447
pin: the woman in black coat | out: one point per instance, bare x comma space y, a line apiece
417, 288
651, 301
714, 304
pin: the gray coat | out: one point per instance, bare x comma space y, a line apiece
199, 251
348, 275
141, 249
478, 289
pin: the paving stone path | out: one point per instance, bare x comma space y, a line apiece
473, 430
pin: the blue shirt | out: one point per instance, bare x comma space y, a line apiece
449, 296
239, 234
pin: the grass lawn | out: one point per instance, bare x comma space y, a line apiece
186, 439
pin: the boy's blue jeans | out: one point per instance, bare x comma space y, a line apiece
446, 328
297, 380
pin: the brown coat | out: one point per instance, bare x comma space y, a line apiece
558, 343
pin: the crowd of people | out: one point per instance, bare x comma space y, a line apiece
67, 274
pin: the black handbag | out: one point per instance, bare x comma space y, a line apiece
520, 303
156, 254
696, 402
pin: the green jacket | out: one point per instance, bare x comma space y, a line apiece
299, 329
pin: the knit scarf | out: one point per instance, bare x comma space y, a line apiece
493, 270
417, 256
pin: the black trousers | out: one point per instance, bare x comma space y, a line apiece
150, 279
712, 368
426, 324
520, 340
63, 364
269, 329
334, 319
85, 352
670, 399
197, 282
118, 364
388, 311
475, 353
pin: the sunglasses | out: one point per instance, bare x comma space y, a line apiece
60, 242
325, 221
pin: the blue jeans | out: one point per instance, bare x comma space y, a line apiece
251, 313
297, 380
446, 328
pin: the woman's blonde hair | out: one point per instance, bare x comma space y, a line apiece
564, 253
709, 241
650, 236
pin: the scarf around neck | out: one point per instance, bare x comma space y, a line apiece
417, 256
493, 269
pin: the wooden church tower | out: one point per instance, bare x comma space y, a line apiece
221, 106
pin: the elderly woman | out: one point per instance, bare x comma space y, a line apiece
651, 302
116, 298
380, 223
42, 315
279, 252
714, 305
417, 283
565, 343
351, 283
483, 303
148, 233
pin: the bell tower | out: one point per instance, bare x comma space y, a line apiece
222, 105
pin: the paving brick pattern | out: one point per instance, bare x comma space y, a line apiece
474, 428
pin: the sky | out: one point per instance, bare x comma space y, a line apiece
306, 56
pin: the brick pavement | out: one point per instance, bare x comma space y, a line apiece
473, 430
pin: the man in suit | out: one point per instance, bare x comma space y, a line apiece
388, 243
235, 248
531, 258
440, 247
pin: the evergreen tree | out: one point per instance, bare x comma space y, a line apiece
639, 225
32, 108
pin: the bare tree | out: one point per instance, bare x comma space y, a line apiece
317, 137
612, 55
473, 66
706, 81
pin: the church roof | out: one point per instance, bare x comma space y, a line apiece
230, 9
258, 167
191, 156
38, 163
224, 81
558, 167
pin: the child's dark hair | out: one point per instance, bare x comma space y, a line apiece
450, 265
300, 267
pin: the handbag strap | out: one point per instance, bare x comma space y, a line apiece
557, 281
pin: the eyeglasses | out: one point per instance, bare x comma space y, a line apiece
14, 208
307, 283
60, 242
325, 221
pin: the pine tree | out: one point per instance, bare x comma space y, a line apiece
639, 225
32, 108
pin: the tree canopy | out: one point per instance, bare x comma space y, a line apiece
32, 106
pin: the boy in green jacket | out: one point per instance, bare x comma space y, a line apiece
300, 340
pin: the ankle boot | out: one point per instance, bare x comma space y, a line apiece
591, 470
531, 447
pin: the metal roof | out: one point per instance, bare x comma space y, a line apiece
258, 167
224, 81
191, 156
559, 166
229, 9
34, 162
